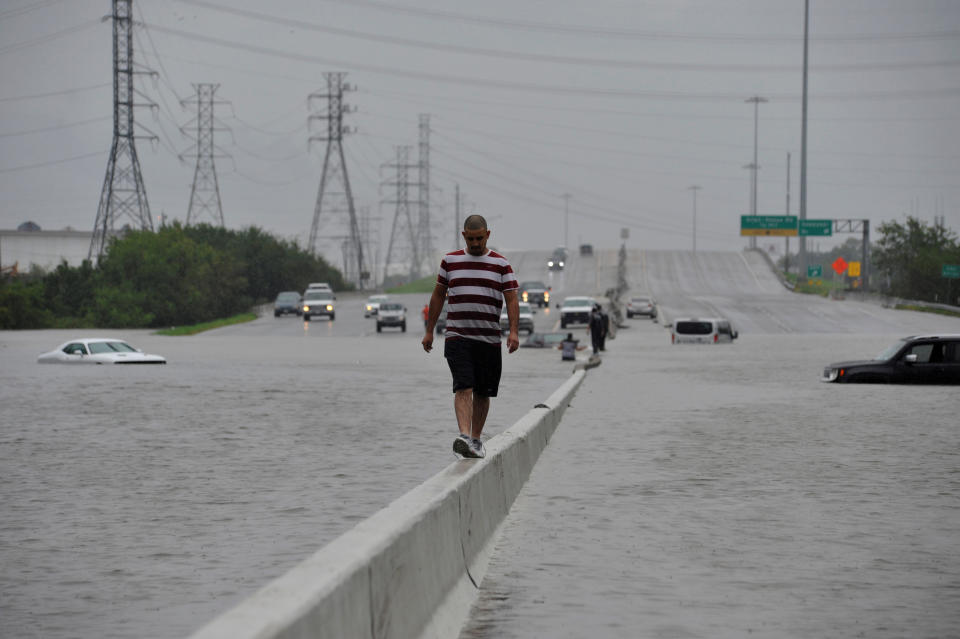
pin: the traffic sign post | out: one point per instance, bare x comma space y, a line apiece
950, 271
775, 225
814, 271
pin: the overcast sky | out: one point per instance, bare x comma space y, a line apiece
623, 104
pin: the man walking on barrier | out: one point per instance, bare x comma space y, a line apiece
476, 282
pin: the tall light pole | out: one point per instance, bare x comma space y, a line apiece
756, 100
694, 188
802, 272
566, 218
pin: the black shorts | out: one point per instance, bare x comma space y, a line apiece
474, 365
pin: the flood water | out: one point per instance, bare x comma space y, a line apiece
722, 491
141, 501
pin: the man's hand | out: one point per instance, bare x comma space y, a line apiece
513, 341
427, 341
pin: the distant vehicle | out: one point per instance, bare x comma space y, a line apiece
320, 286
535, 293
525, 322
98, 350
372, 304
318, 302
641, 305
576, 310
586, 249
392, 314
710, 330
543, 340
287, 302
919, 359
558, 260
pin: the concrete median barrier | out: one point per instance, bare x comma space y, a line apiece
412, 569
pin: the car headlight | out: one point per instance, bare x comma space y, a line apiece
561, 263
306, 308
831, 374
546, 297
329, 307
369, 308
524, 296
550, 263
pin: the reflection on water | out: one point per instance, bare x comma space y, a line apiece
143, 501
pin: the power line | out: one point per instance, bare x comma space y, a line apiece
558, 59
605, 32
49, 37
41, 165
905, 94
51, 94
56, 127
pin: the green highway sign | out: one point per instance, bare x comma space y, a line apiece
780, 225
814, 270
951, 271
816, 227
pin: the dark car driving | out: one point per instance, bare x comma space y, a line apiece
920, 359
287, 302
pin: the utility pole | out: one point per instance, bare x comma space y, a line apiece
456, 218
756, 100
566, 219
694, 189
425, 232
205, 193
802, 268
335, 167
402, 219
786, 255
123, 193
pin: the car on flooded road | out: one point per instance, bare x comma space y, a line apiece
287, 302
524, 321
641, 305
98, 350
535, 292
707, 330
392, 314
918, 359
318, 302
372, 305
576, 310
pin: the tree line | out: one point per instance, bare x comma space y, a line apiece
176, 276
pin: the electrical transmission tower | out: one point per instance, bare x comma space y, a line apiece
205, 193
424, 234
403, 224
335, 169
123, 194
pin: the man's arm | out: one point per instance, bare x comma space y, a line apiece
513, 314
436, 305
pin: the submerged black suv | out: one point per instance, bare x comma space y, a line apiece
920, 359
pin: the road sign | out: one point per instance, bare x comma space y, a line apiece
853, 269
780, 225
815, 227
839, 265
814, 270
951, 271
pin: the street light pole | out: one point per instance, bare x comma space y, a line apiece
694, 188
756, 100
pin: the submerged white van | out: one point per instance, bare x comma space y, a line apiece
708, 330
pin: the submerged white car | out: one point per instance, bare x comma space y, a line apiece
98, 350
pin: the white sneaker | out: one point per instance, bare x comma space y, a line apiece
462, 447
476, 446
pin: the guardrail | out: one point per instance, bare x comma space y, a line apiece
413, 568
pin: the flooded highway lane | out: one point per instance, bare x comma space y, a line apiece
143, 501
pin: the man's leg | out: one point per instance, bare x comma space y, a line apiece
481, 405
463, 405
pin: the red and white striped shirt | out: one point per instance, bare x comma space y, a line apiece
475, 286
